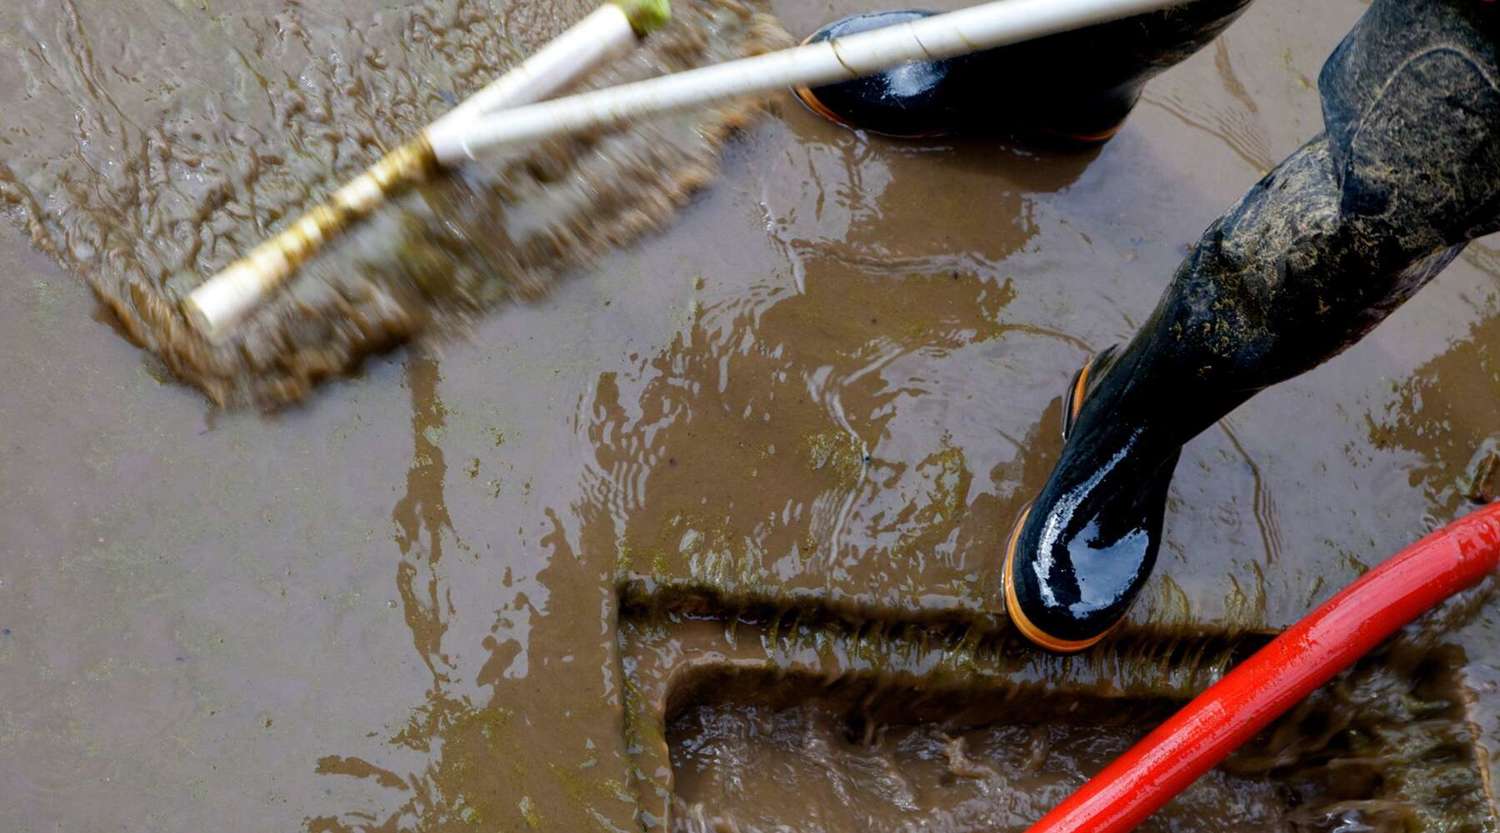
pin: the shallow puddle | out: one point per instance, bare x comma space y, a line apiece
799, 720
827, 387
745, 766
148, 202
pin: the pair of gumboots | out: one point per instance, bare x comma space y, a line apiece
1404, 175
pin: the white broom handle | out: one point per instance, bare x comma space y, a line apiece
605, 34
841, 59
228, 297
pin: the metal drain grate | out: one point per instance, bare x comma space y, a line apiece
808, 719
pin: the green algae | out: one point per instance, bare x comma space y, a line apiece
48, 304
529, 812
1480, 482
928, 524
840, 453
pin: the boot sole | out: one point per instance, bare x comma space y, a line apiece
818, 108
811, 101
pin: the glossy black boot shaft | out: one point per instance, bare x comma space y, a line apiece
1317, 254
1075, 87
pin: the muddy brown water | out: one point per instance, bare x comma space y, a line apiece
481, 584
154, 198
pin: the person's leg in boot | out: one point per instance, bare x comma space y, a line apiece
1075, 87
1318, 253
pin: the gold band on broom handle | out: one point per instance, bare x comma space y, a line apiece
225, 299
469, 131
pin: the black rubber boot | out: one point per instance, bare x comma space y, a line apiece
1075, 88
909, 101
1319, 252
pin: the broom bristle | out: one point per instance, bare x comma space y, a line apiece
423, 266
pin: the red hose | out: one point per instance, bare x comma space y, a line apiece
1275, 678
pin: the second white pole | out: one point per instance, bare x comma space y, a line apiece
225, 299
842, 59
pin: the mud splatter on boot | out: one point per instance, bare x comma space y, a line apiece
1315, 256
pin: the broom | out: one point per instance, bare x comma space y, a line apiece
483, 124
224, 300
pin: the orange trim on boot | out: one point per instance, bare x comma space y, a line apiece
818, 108
1079, 140
805, 94
1096, 138
1078, 392
1078, 389
1028, 628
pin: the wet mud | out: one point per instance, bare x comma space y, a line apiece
1458, 469
149, 204
796, 719
720, 509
